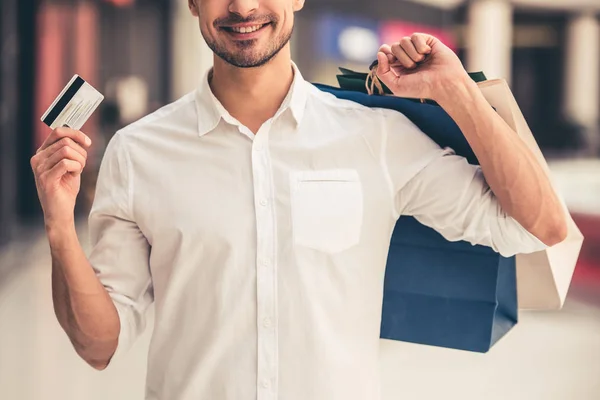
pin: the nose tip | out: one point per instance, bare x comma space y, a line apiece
243, 8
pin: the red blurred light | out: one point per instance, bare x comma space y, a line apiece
120, 3
393, 31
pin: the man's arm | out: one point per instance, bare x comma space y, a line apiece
515, 176
100, 302
421, 66
81, 303
443, 191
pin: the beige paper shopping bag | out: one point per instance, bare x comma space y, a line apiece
543, 278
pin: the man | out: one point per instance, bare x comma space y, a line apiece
256, 214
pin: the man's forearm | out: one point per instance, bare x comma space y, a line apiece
510, 168
82, 305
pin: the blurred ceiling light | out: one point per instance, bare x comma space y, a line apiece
358, 44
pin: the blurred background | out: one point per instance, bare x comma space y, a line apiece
143, 54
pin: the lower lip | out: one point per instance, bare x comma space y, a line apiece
247, 36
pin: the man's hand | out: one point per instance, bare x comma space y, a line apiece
419, 66
57, 168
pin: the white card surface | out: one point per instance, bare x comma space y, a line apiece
74, 105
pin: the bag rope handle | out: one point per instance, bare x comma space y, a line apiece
373, 82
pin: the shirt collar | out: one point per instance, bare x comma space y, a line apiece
211, 111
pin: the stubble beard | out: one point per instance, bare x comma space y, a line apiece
244, 57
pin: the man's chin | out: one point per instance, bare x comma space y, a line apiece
251, 53
247, 63
245, 59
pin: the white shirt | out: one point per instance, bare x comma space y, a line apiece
265, 255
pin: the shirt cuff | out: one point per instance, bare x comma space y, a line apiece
514, 239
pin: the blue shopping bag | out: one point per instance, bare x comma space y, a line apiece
441, 293
448, 294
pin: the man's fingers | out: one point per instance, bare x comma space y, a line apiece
402, 57
64, 132
65, 142
409, 47
63, 153
420, 42
64, 148
61, 168
386, 49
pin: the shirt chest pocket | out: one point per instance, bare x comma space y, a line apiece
327, 209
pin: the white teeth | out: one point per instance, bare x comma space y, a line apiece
246, 29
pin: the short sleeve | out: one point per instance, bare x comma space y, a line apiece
120, 251
443, 191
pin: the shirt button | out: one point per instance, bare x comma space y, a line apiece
267, 322
264, 202
266, 383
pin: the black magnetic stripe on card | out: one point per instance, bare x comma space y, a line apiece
64, 100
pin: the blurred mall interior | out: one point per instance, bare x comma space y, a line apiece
143, 54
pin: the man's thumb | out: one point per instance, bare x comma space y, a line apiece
384, 71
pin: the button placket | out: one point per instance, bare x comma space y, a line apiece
265, 277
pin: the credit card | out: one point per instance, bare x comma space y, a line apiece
74, 105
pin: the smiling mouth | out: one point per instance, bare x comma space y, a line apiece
244, 29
